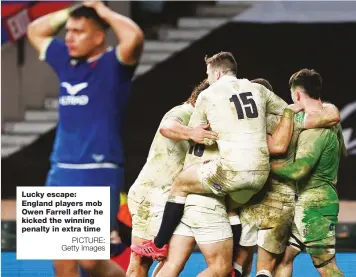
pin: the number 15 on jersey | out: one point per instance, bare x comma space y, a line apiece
248, 106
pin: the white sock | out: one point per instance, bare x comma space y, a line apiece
265, 272
177, 199
234, 220
238, 267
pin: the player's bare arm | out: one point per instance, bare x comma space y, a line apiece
327, 117
42, 29
278, 142
129, 35
174, 130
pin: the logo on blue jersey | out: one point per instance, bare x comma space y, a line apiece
72, 99
98, 158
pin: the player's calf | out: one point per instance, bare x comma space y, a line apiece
265, 263
285, 267
157, 269
139, 266
243, 262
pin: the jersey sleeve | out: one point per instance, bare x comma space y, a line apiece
181, 114
340, 136
311, 144
199, 115
125, 71
55, 53
271, 123
275, 104
273, 120
299, 121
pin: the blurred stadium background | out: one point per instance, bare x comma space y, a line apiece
269, 39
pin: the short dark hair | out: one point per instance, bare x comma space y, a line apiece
197, 90
223, 60
263, 82
309, 80
89, 13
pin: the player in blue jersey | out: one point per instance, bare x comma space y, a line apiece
95, 83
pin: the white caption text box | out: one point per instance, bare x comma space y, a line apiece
63, 223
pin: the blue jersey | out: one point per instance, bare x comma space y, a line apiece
92, 100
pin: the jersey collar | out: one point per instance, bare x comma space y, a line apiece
97, 57
91, 60
227, 78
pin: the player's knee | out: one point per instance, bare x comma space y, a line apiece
286, 260
63, 268
322, 260
180, 186
327, 268
221, 270
89, 265
178, 183
289, 255
222, 267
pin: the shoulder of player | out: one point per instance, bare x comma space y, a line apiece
205, 95
110, 54
329, 136
208, 91
181, 108
313, 134
334, 131
55, 40
326, 104
57, 45
264, 92
258, 87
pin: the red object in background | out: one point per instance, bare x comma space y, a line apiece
41, 9
17, 16
37, 10
124, 215
9, 8
123, 260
